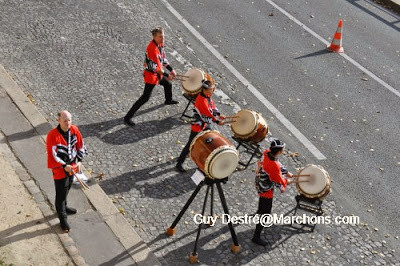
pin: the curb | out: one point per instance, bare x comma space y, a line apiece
125, 234
394, 5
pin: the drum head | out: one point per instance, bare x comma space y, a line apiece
318, 181
246, 123
222, 162
194, 82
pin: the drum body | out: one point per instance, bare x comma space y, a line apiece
192, 84
250, 126
319, 182
214, 154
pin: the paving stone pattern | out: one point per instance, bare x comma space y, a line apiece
86, 56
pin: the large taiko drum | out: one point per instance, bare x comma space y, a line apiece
314, 182
214, 154
250, 126
193, 80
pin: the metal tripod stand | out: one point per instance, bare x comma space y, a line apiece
236, 248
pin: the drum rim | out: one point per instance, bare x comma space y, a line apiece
321, 194
212, 155
199, 89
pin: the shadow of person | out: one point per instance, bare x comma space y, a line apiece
11, 235
159, 181
140, 131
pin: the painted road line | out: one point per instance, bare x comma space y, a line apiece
247, 84
348, 58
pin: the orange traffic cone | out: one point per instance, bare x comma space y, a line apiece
336, 45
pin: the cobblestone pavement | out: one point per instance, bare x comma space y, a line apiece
86, 56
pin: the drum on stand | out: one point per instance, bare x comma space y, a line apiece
214, 154
250, 126
313, 182
193, 81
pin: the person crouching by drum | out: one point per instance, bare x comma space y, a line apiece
269, 177
205, 112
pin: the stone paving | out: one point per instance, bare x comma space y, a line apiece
86, 56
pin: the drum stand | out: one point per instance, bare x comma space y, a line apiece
193, 257
250, 148
190, 99
309, 205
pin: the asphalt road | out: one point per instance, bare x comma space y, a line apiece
350, 117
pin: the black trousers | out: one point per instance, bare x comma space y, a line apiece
185, 150
148, 89
264, 207
62, 188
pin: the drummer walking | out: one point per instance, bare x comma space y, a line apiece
155, 62
205, 112
274, 170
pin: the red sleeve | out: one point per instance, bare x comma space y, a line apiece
153, 53
204, 108
51, 146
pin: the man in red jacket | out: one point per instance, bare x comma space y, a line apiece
154, 64
205, 112
273, 170
65, 151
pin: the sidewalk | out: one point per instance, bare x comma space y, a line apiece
26, 237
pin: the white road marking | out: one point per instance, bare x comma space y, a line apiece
348, 58
247, 84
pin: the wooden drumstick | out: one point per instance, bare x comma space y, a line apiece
183, 76
81, 182
300, 175
229, 122
226, 117
180, 79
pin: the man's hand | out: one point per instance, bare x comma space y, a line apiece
222, 117
68, 169
78, 168
289, 174
170, 77
173, 73
220, 123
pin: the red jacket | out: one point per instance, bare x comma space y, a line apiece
204, 109
61, 153
273, 168
154, 62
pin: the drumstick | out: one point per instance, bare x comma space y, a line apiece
183, 76
180, 79
81, 182
300, 175
229, 122
226, 117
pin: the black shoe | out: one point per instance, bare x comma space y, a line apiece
180, 168
129, 122
171, 102
70, 210
259, 241
64, 225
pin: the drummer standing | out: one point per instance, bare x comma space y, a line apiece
154, 64
275, 170
205, 112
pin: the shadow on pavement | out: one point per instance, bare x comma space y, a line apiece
170, 184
